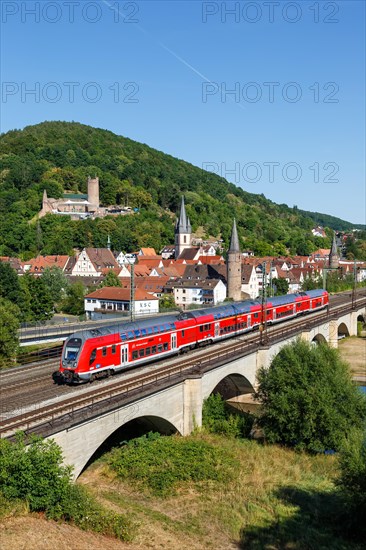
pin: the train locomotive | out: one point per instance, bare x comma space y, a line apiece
98, 353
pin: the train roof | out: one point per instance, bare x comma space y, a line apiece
314, 293
163, 322
282, 300
217, 312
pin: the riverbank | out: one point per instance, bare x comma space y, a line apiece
353, 350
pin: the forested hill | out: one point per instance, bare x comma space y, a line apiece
59, 156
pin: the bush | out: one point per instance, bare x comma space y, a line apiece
79, 507
219, 418
35, 475
309, 400
161, 463
352, 481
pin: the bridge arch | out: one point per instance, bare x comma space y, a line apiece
319, 339
361, 318
137, 427
343, 330
229, 386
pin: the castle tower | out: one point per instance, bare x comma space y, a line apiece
334, 256
234, 266
183, 231
93, 194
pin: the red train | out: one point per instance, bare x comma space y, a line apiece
97, 353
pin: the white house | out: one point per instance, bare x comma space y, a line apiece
249, 281
206, 292
113, 300
92, 261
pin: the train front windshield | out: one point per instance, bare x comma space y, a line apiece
72, 349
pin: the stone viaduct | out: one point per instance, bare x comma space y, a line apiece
178, 408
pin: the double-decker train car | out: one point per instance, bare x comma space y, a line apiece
97, 353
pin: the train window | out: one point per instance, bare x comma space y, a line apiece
160, 347
148, 351
150, 330
104, 352
136, 333
142, 352
183, 333
130, 334
153, 349
256, 315
124, 336
113, 348
268, 311
166, 346
143, 331
135, 355
92, 356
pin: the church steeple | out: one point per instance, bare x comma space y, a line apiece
234, 242
183, 231
333, 256
183, 224
234, 266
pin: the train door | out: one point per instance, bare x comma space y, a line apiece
174, 341
124, 355
217, 330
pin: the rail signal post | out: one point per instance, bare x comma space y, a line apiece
263, 326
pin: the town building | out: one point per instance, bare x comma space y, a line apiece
115, 301
206, 292
92, 262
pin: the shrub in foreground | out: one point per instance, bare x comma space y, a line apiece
161, 463
34, 475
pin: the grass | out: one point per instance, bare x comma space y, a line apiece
276, 499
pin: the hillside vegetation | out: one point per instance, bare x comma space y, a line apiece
59, 156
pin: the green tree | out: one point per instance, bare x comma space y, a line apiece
9, 325
281, 286
56, 283
111, 279
167, 302
34, 474
9, 284
41, 304
74, 301
309, 400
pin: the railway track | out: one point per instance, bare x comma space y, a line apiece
105, 394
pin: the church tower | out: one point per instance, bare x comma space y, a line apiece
334, 256
183, 231
234, 267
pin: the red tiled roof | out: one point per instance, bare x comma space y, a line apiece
118, 293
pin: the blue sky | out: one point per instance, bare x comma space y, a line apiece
293, 127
